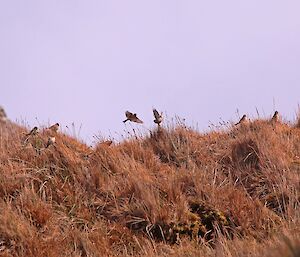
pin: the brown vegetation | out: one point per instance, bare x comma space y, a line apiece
175, 192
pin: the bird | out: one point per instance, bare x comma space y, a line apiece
3, 116
243, 120
33, 132
275, 117
54, 128
51, 141
106, 143
158, 117
132, 117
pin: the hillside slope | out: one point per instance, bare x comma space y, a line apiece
177, 192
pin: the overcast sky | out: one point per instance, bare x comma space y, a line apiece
89, 61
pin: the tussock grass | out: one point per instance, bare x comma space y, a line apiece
172, 192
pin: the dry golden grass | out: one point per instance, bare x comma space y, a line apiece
174, 192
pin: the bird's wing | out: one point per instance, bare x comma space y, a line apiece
240, 121
128, 114
137, 120
243, 118
156, 114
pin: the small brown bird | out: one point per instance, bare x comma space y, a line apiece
54, 128
33, 132
158, 117
243, 120
3, 116
132, 117
51, 141
106, 143
275, 118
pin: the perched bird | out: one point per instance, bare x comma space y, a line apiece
243, 120
132, 117
158, 117
275, 118
33, 132
3, 116
51, 141
54, 128
106, 143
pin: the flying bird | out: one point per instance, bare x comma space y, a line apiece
51, 141
275, 117
54, 128
132, 117
243, 120
158, 117
33, 132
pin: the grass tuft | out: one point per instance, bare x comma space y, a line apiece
176, 191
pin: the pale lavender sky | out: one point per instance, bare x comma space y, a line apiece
89, 61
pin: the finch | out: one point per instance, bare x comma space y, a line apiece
33, 132
275, 117
3, 116
106, 143
54, 128
243, 120
158, 117
132, 117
